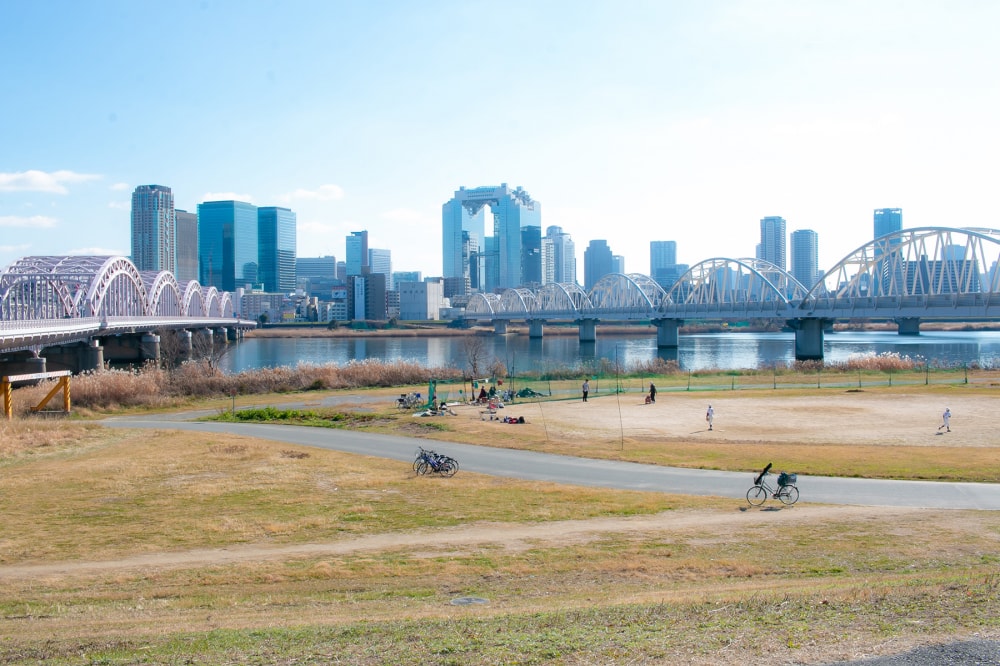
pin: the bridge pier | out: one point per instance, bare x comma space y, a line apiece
27, 365
137, 348
500, 326
908, 325
808, 338
588, 329
666, 333
77, 358
536, 328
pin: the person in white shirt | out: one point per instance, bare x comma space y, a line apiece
710, 416
946, 418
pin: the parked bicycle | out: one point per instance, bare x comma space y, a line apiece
408, 401
431, 462
786, 491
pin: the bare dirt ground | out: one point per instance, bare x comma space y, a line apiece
866, 417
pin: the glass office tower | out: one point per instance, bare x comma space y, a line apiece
887, 221
154, 225
227, 244
597, 262
276, 243
511, 209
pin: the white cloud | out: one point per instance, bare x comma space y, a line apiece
315, 227
40, 181
328, 192
16, 249
97, 252
404, 215
35, 221
227, 196
120, 205
120, 187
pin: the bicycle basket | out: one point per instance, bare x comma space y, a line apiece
786, 479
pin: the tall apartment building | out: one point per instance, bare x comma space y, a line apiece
357, 253
500, 250
772, 241
187, 246
227, 244
563, 254
597, 262
154, 229
805, 256
276, 239
887, 221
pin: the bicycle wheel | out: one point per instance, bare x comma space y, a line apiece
447, 468
422, 467
788, 494
756, 495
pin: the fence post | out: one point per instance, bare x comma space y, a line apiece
966, 367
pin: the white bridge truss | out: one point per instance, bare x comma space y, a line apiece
47, 299
933, 272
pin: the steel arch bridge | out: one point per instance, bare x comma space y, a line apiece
52, 299
911, 275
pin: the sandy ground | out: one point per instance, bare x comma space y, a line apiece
832, 416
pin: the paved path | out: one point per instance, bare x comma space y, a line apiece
601, 473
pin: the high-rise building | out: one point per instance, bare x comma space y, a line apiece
315, 267
406, 276
663, 266
805, 256
772, 241
887, 221
597, 262
276, 247
357, 253
618, 263
227, 244
380, 261
187, 246
563, 256
531, 257
154, 229
501, 258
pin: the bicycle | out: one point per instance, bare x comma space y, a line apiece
408, 401
431, 461
786, 491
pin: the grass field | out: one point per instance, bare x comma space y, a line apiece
128, 547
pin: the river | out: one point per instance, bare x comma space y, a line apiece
696, 352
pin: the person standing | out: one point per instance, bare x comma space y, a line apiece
652, 392
946, 420
586, 389
710, 416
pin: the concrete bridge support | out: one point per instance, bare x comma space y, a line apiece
588, 330
26, 363
908, 325
137, 348
808, 338
500, 326
203, 341
536, 328
77, 358
666, 333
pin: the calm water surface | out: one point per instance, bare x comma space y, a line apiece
696, 352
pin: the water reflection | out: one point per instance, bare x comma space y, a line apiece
696, 352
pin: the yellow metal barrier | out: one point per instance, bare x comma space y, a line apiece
61, 385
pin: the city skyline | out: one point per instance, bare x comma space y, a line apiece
687, 120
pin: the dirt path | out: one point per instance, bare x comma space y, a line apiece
463, 539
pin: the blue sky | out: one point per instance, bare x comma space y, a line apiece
629, 121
